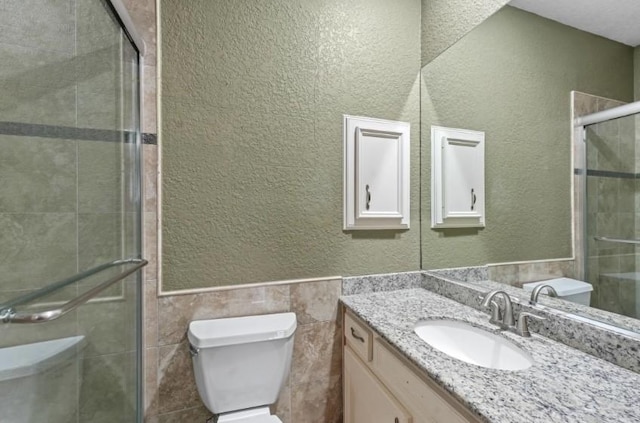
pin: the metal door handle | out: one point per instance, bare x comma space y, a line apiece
355, 335
368, 205
473, 199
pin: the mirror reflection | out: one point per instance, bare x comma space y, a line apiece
522, 76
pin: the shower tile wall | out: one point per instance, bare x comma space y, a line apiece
610, 205
60, 200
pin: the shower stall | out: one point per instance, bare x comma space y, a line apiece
610, 206
70, 213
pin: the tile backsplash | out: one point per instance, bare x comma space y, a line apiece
314, 390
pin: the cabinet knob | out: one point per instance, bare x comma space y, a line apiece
368, 197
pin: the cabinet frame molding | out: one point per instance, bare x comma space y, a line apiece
464, 148
359, 133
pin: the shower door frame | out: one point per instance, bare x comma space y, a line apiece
580, 164
131, 33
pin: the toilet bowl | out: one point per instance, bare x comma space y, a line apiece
241, 364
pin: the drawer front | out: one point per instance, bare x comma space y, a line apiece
422, 400
358, 337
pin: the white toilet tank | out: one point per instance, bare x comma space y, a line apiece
568, 289
241, 362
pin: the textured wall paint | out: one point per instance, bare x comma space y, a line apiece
636, 77
253, 94
512, 78
446, 21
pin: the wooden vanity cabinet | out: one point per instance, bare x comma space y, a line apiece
381, 386
369, 401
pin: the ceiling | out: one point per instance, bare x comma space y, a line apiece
618, 20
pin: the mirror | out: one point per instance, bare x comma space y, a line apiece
512, 77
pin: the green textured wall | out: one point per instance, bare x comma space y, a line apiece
446, 21
636, 76
512, 78
253, 93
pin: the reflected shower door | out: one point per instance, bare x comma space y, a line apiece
69, 203
612, 221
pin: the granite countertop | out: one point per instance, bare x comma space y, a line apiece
563, 385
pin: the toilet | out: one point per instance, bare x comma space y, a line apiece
573, 290
241, 364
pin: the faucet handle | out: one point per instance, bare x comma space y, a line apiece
496, 315
522, 328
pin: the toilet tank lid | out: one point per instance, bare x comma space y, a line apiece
29, 359
241, 330
563, 286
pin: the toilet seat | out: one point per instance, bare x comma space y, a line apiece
254, 415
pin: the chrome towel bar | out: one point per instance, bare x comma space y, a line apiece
617, 240
8, 314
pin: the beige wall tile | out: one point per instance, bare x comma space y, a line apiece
316, 301
104, 394
40, 174
584, 104
313, 392
176, 384
51, 237
150, 175
151, 397
282, 408
195, 415
150, 314
143, 14
532, 272
317, 353
150, 245
149, 100
507, 273
318, 402
175, 312
105, 326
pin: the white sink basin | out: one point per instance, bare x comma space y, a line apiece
472, 345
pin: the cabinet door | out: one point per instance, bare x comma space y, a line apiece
457, 183
365, 399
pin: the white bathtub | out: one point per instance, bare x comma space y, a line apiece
39, 382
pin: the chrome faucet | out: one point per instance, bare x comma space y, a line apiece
536, 292
507, 321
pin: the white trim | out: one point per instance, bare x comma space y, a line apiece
245, 286
159, 151
605, 115
124, 16
511, 263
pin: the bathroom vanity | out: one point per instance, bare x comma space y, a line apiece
380, 385
392, 375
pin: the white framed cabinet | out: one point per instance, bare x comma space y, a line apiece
457, 178
376, 174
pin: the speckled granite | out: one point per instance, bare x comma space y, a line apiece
382, 282
564, 385
465, 274
617, 347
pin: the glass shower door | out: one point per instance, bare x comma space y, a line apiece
69, 214
612, 222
